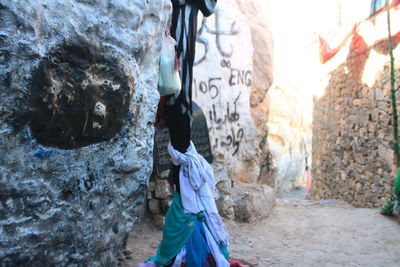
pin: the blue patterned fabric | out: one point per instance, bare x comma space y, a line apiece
197, 249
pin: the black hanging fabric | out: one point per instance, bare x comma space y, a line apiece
179, 107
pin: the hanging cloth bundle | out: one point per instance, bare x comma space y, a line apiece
168, 79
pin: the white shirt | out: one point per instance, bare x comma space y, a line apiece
197, 185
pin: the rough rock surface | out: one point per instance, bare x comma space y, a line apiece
228, 77
77, 100
287, 138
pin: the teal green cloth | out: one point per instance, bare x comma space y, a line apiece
224, 250
178, 228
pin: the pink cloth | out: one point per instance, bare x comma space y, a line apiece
308, 183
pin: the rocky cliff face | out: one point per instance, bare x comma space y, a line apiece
78, 97
230, 80
287, 137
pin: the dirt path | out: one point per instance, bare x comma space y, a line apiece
301, 233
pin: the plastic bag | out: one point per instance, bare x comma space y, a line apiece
169, 81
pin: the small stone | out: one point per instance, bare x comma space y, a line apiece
154, 206
374, 188
120, 257
363, 132
359, 158
152, 186
359, 187
379, 94
346, 156
158, 221
372, 128
369, 176
162, 189
252, 202
372, 135
387, 188
127, 252
164, 174
357, 102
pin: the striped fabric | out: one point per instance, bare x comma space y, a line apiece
184, 31
179, 108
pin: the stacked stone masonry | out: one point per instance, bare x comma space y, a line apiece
353, 157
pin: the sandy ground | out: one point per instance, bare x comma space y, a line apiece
300, 233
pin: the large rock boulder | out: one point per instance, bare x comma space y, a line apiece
252, 202
232, 73
78, 97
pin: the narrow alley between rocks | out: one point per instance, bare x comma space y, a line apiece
122, 118
298, 233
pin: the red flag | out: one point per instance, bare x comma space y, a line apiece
325, 51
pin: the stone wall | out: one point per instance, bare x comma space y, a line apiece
77, 103
353, 128
159, 197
